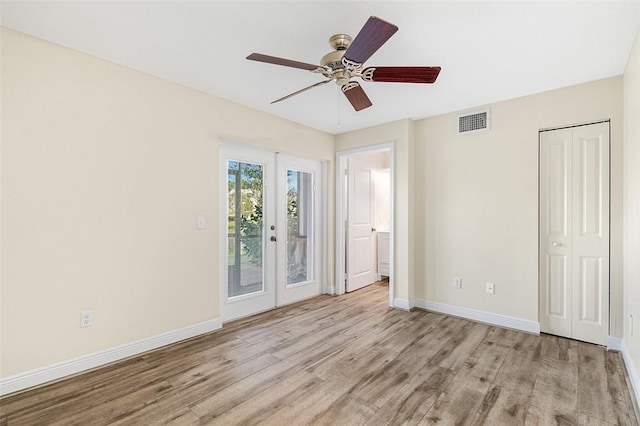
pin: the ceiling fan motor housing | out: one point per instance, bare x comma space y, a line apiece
335, 68
333, 62
342, 76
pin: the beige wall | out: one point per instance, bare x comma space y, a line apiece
476, 200
105, 170
104, 173
398, 132
632, 206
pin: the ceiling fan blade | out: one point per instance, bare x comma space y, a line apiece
281, 61
401, 74
354, 92
373, 34
300, 91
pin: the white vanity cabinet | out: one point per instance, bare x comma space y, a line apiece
383, 254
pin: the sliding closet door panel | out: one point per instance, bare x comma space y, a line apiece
555, 231
591, 232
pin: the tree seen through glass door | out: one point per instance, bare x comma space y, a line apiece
245, 230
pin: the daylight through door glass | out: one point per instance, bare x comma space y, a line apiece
245, 228
299, 226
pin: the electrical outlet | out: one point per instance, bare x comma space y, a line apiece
457, 282
86, 318
490, 288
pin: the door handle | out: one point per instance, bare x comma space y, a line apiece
373, 229
273, 238
556, 244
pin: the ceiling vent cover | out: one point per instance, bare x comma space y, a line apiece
473, 122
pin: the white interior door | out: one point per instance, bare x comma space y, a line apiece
574, 232
248, 270
360, 233
298, 256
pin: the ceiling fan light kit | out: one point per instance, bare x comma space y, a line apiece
347, 59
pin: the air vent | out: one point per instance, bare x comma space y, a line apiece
473, 122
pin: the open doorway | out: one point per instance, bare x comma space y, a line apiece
364, 218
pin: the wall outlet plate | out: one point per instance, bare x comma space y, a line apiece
457, 282
86, 318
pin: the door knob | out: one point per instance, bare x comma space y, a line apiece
273, 238
556, 244
373, 229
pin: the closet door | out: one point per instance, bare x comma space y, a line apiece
591, 233
574, 232
556, 187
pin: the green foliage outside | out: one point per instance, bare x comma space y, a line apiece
251, 222
251, 211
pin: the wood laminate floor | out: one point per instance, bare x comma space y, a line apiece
345, 360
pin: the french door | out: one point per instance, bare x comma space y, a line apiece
298, 256
574, 232
270, 233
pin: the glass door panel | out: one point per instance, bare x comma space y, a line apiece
299, 226
245, 228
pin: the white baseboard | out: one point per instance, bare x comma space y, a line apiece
330, 289
480, 316
96, 359
402, 304
631, 370
614, 343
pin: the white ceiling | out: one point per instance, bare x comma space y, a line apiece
488, 51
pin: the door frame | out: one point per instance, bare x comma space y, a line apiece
570, 126
323, 220
341, 166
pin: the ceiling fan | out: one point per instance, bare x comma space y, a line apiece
346, 61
